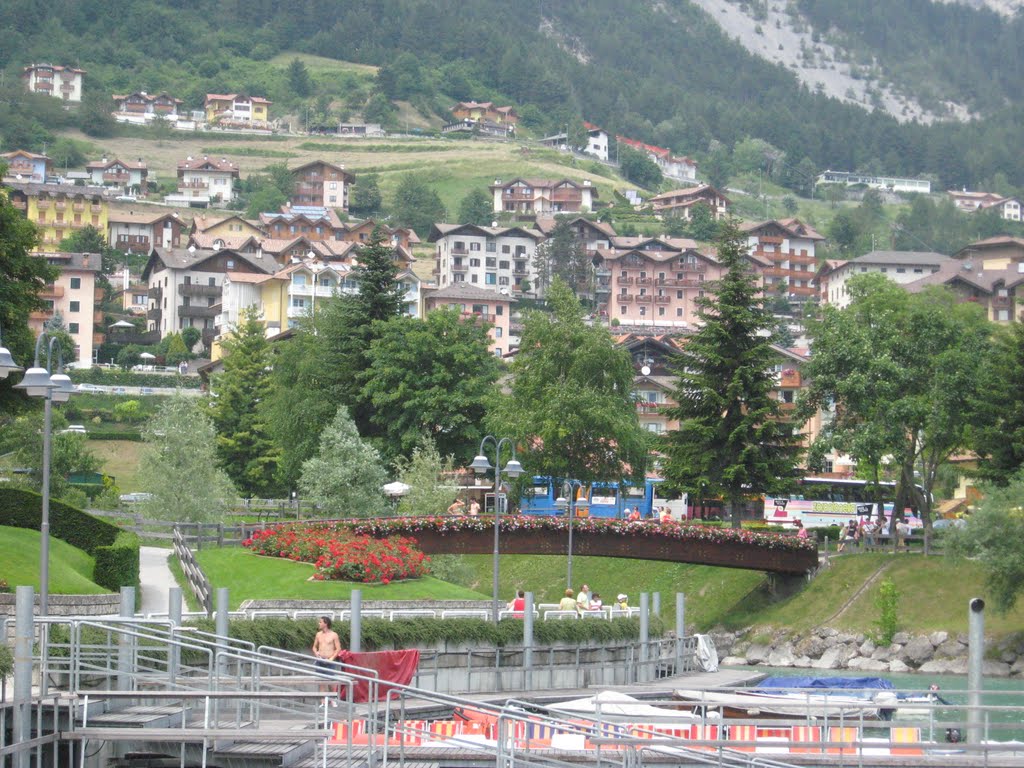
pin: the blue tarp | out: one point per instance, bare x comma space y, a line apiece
827, 683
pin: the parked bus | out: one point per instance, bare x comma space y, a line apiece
820, 502
607, 500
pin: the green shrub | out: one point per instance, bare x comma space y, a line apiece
887, 603
6, 661
111, 378
111, 434
117, 565
116, 552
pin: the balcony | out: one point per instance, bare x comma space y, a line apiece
155, 292
194, 289
662, 299
695, 266
667, 281
646, 299
20, 204
645, 281
460, 267
645, 406
198, 311
59, 205
154, 314
624, 298
41, 315
625, 281
77, 224
193, 184
116, 178
460, 250
1000, 302
789, 379
52, 292
42, 205
78, 207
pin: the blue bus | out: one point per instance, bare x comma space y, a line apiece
606, 500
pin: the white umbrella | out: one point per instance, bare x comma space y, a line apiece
396, 489
121, 324
147, 356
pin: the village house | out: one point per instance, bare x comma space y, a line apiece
494, 258
63, 83
184, 286
882, 183
237, 110
902, 267
74, 296
142, 108
592, 235
202, 180
484, 110
321, 184
597, 142
1009, 207
679, 168
313, 222
141, 231
125, 176
479, 304
543, 196
679, 202
57, 210
26, 166
789, 247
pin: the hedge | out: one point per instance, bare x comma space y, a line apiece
117, 565
104, 541
112, 378
412, 633
6, 662
112, 434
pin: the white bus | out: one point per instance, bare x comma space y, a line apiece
819, 502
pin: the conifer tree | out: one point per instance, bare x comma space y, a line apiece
732, 439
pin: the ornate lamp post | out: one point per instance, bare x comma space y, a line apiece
570, 487
57, 387
513, 469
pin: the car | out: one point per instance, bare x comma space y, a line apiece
146, 391
946, 523
134, 498
74, 429
88, 388
119, 391
125, 198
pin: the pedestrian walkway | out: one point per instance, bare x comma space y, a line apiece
155, 579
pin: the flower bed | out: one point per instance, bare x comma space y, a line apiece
688, 532
339, 554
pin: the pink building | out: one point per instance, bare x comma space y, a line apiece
479, 304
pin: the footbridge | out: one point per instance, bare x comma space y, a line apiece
774, 553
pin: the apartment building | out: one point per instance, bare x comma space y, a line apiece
492, 258
61, 82
321, 185
59, 209
680, 202
26, 166
479, 304
142, 231
543, 196
202, 180
74, 296
129, 177
902, 267
788, 245
142, 108
234, 109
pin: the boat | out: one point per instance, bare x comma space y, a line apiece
813, 698
617, 707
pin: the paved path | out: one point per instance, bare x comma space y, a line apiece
155, 579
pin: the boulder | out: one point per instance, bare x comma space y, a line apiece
937, 667
867, 647
995, 669
846, 653
917, 651
958, 666
901, 638
871, 665
802, 662
1018, 667
881, 654
938, 638
829, 660
1008, 657
950, 649
898, 666
962, 638
733, 661
781, 656
846, 638
757, 653
811, 646
825, 632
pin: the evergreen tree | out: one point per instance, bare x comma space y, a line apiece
476, 207
430, 491
998, 435
298, 78
366, 198
563, 255
416, 204
244, 448
732, 439
345, 478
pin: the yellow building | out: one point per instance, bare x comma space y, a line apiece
234, 108
59, 210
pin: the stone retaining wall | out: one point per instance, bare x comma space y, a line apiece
69, 605
827, 648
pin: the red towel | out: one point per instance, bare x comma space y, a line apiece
396, 667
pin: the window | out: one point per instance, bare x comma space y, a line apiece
503, 280
499, 310
863, 269
497, 351
472, 279
298, 302
491, 278
506, 249
497, 332
622, 310
643, 311
76, 283
298, 279
459, 246
679, 294
474, 262
900, 270
661, 311
884, 270
491, 262
72, 327
474, 246
679, 311
212, 281
76, 306
491, 246
503, 265
622, 273
918, 271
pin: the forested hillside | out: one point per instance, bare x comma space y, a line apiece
662, 72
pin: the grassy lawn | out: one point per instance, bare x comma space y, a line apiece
119, 458
934, 592
248, 576
70, 568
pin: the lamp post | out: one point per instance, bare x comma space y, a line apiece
513, 469
560, 503
38, 382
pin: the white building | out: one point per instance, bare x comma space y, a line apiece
494, 258
202, 180
63, 83
902, 267
597, 142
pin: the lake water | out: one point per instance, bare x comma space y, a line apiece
1005, 696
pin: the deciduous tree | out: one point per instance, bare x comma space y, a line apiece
732, 439
430, 378
428, 475
477, 207
571, 407
179, 467
416, 205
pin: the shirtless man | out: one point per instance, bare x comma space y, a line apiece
326, 647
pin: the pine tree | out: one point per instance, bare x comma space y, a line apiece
732, 439
244, 447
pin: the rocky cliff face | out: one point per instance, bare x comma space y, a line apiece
826, 648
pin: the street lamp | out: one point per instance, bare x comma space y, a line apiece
7, 364
513, 469
38, 382
560, 503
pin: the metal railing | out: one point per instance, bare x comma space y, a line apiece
194, 576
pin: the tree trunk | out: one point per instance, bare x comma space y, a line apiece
734, 509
